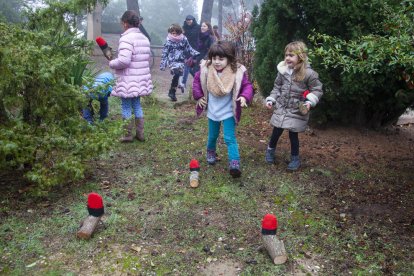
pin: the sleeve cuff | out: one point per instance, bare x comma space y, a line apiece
270, 99
312, 99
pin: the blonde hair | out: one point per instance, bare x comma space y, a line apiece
299, 48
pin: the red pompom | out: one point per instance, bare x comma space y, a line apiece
305, 93
269, 222
194, 165
95, 201
101, 42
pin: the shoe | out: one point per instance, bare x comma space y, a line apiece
211, 157
139, 125
294, 163
234, 167
127, 138
171, 94
303, 109
270, 155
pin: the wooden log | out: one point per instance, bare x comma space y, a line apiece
275, 248
194, 179
87, 227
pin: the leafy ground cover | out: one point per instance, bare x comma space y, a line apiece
348, 210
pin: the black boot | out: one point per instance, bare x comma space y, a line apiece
171, 94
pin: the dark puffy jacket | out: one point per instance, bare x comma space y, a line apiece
192, 32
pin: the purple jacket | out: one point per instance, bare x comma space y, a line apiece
242, 86
133, 77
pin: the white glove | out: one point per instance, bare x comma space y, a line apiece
202, 102
242, 101
270, 102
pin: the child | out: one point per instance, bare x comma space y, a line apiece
205, 40
222, 88
102, 79
173, 55
133, 74
293, 79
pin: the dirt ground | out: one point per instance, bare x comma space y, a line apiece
363, 178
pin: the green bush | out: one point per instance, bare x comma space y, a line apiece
349, 97
43, 67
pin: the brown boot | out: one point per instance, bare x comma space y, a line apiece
127, 138
139, 124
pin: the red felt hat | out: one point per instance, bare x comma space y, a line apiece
269, 224
101, 42
95, 205
194, 165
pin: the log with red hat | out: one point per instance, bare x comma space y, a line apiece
96, 210
274, 246
106, 50
194, 169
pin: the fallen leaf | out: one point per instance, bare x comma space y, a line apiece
136, 248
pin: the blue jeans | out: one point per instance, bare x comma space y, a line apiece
127, 104
88, 111
185, 74
229, 130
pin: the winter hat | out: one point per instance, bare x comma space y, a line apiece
190, 17
194, 165
95, 205
269, 224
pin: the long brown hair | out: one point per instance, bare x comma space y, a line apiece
299, 48
210, 29
223, 49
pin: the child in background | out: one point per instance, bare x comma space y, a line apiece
173, 56
102, 96
133, 74
293, 79
216, 33
205, 40
221, 87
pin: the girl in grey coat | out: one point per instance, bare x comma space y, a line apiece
297, 88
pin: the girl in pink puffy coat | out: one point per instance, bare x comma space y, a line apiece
133, 77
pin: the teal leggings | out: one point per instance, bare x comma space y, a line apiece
229, 130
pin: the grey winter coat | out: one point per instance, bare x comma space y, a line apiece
286, 95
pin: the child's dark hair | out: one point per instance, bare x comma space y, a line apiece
223, 49
175, 28
131, 18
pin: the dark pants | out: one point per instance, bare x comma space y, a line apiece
176, 75
293, 137
88, 111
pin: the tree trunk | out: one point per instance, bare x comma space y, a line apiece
133, 5
220, 17
207, 10
94, 22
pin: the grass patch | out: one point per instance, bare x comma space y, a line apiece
156, 224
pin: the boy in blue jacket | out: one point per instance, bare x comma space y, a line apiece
102, 96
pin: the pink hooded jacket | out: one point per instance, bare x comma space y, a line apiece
133, 77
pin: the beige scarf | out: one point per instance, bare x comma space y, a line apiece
223, 85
